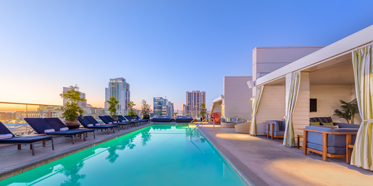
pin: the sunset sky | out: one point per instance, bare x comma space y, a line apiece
162, 48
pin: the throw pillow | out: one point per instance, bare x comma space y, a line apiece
315, 123
328, 124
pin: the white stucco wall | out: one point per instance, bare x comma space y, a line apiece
328, 97
269, 59
237, 97
272, 106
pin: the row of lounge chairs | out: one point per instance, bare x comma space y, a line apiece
48, 127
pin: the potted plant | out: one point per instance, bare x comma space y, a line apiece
113, 102
145, 110
71, 109
349, 109
131, 112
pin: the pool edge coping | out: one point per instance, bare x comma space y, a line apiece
50, 158
237, 164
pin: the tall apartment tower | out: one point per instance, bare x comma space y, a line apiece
170, 111
82, 95
120, 89
160, 106
194, 100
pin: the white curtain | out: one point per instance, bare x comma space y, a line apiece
292, 101
362, 154
255, 107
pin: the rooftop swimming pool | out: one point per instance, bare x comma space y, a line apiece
161, 155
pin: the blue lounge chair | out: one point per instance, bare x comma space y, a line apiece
140, 119
90, 123
108, 119
57, 125
125, 119
130, 118
41, 126
22, 139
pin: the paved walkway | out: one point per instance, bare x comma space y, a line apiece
12, 159
267, 162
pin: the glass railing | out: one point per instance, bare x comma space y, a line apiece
12, 115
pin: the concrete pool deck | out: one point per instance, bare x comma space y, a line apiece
268, 162
15, 161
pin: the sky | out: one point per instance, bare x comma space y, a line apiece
163, 48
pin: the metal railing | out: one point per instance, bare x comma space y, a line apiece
197, 125
12, 114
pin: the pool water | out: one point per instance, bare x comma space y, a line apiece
161, 155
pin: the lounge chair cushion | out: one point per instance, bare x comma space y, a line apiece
49, 130
96, 124
5, 136
328, 124
90, 125
315, 123
64, 129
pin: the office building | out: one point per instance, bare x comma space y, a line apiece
120, 89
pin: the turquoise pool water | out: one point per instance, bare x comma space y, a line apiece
156, 155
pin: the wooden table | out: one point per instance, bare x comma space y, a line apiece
272, 127
298, 140
324, 151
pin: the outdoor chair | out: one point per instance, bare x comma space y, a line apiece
228, 123
243, 127
110, 120
58, 125
275, 128
7, 137
90, 123
41, 126
140, 119
131, 119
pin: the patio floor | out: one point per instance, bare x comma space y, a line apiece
267, 162
15, 161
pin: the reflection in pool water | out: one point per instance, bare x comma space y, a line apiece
155, 155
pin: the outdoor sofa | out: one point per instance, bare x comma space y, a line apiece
7, 137
337, 138
184, 119
161, 119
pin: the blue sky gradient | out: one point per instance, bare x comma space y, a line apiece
163, 48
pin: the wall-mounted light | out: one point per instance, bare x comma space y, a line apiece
250, 84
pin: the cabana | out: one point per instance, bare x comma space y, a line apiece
340, 71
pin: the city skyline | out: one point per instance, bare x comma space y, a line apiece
152, 44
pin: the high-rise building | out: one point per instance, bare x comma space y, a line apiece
160, 106
194, 100
82, 95
170, 109
120, 89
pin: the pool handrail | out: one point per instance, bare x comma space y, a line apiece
213, 123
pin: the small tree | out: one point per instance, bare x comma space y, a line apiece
113, 102
349, 109
203, 110
145, 108
71, 110
131, 113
